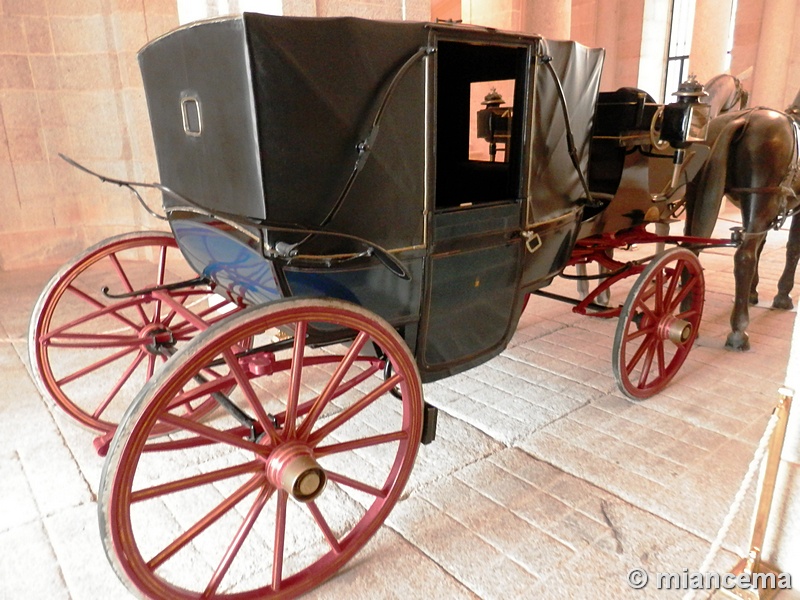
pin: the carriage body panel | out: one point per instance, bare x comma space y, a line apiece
380, 155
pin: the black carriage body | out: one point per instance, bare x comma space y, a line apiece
363, 132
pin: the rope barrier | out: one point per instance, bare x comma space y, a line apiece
758, 457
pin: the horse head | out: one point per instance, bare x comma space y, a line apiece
725, 93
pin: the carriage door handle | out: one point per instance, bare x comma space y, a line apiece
532, 241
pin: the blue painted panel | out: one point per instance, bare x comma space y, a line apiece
227, 261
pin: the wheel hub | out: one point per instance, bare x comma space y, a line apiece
156, 336
292, 468
675, 330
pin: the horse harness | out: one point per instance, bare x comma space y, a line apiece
786, 186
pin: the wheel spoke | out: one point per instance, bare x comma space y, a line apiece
354, 409
212, 434
181, 309
295, 376
93, 341
251, 396
684, 292
104, 308
648, 362
324, 527
280, 538
672, 285
661, 358
209, 519
659, 292
202, 390
327, 394
356, 485
162, 265
637, 356
305, 407
94, 366
151, 366
239, 431
117, 386
641, 304
126, 283
632, 335
375, 440
187, 483
238, 540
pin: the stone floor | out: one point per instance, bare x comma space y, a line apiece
544, 482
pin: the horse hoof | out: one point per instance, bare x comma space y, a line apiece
783, 302
753, 299
738, 342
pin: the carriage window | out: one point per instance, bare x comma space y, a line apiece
490, 120
479, 95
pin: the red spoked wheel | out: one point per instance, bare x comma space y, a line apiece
92, 353
272, 497
658, 323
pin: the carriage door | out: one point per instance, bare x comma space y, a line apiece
473, 277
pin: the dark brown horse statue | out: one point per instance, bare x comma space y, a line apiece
754, 161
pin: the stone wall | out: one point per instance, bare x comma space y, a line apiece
69, 83
767, 38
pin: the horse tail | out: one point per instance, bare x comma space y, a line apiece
704, 194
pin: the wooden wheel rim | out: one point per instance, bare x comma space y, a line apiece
126, 452
658, 324
63, 289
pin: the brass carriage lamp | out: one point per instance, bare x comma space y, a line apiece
685, 122
494, 122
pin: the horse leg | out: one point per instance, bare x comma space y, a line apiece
785, 284
744, 267
753, 298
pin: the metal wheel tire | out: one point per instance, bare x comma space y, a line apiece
658, 324
275, 506
92, 354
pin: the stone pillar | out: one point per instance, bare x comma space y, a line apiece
608, 22
710, 38
549, 18
772, 60
782, 543
500, 14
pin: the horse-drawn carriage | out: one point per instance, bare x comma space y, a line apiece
349, 236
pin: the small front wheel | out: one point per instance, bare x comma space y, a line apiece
285, 485
658, 324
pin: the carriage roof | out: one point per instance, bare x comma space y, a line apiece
260, 116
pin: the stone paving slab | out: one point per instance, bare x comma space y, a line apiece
544, 482
29, 567
513, 526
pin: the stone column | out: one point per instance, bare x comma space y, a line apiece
782, 543
710, 38
772, 60
549, 18
501, 14
607, 30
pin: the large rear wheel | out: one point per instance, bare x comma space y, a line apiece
658, 323
92, 353
273, 496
